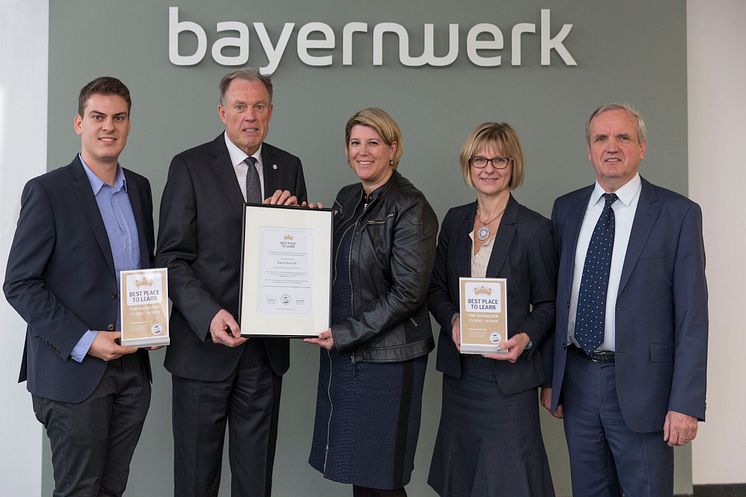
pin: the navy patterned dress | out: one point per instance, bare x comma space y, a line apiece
367, 414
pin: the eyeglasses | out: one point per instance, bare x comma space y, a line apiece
497, 162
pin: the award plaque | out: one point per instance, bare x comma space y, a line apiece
483, 315
285, 271
144, 307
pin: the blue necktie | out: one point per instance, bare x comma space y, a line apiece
253, 187
589, 321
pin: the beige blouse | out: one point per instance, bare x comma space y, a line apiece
480, 260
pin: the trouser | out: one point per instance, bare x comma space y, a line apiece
248, 402
93, 441
606, 457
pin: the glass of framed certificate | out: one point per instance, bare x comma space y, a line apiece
285, 271
483, 315
144, 307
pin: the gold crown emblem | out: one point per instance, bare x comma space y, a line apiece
144, 281
288, 237
482, 290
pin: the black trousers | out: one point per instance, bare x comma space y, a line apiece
93, 441
248, 402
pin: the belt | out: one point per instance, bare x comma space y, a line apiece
603, 356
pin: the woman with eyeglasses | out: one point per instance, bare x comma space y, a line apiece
489, 441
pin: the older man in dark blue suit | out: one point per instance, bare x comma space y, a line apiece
79, 226
630, 348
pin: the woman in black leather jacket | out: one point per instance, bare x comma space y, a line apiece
374, 356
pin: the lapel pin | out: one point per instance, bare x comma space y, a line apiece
274, 166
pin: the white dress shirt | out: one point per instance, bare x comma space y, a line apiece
240, 167
624, 215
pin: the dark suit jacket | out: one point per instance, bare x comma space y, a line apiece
199, 240
61, 278
661, 308
524, 254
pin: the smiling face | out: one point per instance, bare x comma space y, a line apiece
370, 157
614, 149
490, 180
246, 110
103, 129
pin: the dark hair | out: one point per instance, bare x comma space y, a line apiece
248, 74
105, 85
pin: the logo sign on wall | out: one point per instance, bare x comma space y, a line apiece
485, 43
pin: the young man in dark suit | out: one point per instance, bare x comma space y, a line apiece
630, 349
218, 376
79, 226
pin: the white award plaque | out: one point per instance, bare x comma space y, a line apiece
483, 315
144, 307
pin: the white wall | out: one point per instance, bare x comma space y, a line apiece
717, 176
23, 149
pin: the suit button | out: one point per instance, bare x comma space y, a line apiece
110, 327
114, 295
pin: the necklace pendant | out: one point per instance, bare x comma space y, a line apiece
483, 233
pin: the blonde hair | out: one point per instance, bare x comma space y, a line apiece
504, 138
383, 124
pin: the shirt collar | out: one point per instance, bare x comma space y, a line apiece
120, 183
238, 156
626, 193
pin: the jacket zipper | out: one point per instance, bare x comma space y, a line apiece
349, 269
331, 409
328, 352
337, 254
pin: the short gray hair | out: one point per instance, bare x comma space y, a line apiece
642, 133
247, 74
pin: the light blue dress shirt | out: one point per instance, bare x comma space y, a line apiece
119, 220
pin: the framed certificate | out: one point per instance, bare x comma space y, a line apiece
144, 307
483, 315
285, 271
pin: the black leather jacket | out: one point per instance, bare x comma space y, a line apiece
393, 248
